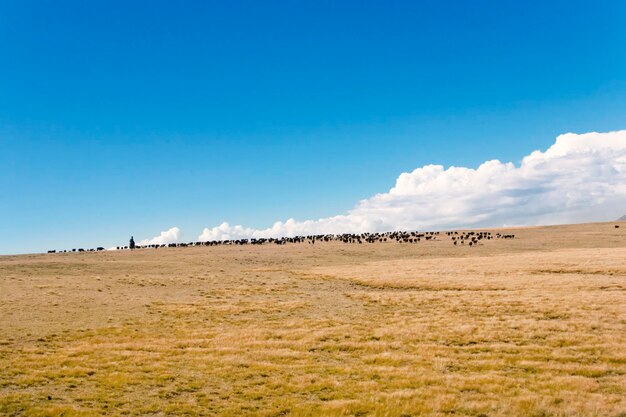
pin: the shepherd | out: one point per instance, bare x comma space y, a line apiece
132, 243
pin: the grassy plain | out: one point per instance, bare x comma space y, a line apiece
534, 326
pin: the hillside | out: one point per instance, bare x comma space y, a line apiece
527, 326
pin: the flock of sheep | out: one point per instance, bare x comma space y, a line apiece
470, 238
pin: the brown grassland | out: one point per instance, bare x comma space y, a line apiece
534, 326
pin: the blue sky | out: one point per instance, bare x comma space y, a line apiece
121, 119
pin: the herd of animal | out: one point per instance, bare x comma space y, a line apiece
471, 238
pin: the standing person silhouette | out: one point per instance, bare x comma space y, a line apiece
132, 243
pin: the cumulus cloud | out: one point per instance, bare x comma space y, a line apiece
581, 177
168, 236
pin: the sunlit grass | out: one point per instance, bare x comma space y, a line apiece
333, 330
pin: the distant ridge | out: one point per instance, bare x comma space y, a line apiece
622, 219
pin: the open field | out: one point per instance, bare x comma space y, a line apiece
534, 326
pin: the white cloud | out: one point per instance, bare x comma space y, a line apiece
169, 236
582, 177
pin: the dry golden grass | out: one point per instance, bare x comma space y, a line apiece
534, 326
